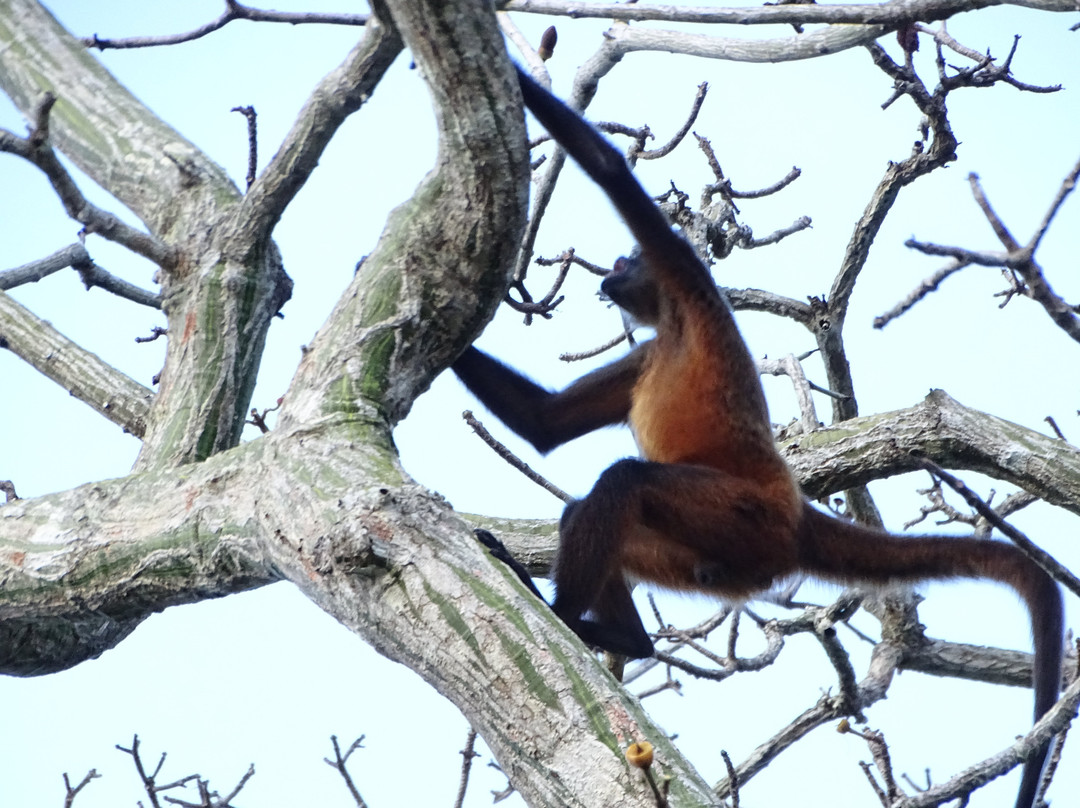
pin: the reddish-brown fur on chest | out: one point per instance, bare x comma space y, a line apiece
689, 406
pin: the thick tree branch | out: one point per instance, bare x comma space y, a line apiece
446, 250
894, 12
101, 127
833, 39
223, 290
340, 94
863, 449
83, 374
382, 555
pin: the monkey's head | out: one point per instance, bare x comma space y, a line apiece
632, 287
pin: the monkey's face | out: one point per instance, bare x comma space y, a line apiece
632, 288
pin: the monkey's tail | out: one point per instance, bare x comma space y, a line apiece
845, 552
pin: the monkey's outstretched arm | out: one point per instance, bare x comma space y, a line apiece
548, 419
600, 160
667, 250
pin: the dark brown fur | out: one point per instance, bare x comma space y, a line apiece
713, 507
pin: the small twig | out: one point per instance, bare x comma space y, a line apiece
791, 367
71, 792
259, 419
572, 256
92, 275
907, 779
677, 138
733, 636
233, 11
227, 800
339, 762
800, 224
589, 354
253, 142
959, 254
841, 662
529, 307
36, 270
677, 640
499, 796
1000, 230
928, 285
1053, 425
35, 148
150, 780
942, 37
722, 185
879, 751
467, 755
882, 797
733, 778
769, 190
1052, 763
156, 332
1032, 550
513, 459
1066, 188
669, 683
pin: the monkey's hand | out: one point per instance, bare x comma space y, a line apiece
498, 551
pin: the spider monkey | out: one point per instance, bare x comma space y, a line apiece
712, 507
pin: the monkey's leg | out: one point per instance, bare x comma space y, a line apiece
614, 624
683, 527
612, 606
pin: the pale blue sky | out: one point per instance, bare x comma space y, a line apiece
266, 677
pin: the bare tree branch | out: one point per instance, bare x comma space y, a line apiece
467, 755
792, 368
253, 142
35, 148
69, 256
72, 791
501, 450
339, 762
233, 11
894, 12
1032, 550
925, 288
86, 376
159, 176
1016, 258
76, 256
1054, 722
341, 93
